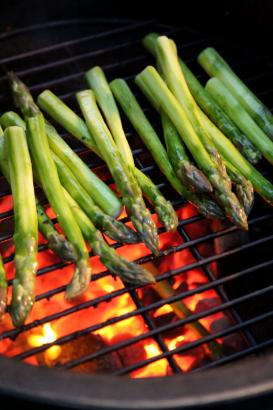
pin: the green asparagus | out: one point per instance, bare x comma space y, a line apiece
164, 209
191, 177
128, 271
211, 108
26, 225
45, 167
244, 188
143, 127
101, 193
56, 241
124, 179
214, 168
111, 227
3, 288
216, 66
150, 80
240, 116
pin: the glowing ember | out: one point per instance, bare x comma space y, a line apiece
47, 336
104, 328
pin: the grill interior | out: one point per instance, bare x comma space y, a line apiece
55, 56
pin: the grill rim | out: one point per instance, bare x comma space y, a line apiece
74, 390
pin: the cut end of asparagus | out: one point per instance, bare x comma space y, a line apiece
3, 299
128, 271
62, 247
193, 178
118, 231
166, 214
80, 280
22, 301
22, 96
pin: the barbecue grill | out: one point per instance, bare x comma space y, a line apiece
236, 266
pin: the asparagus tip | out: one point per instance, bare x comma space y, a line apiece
62, 247
166, 214
80, 280
194, 179
119, 232
209, 208
22, 302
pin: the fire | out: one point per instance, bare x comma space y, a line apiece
47, 336
113, 302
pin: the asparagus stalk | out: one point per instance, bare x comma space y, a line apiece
216, 66
191, 177
240, 116
128, 271
56, 241
97, 81
26, 227
164, 209
3, 288
150, 80
111, 227
132, 109
214, 169
244, 188
45, 167
211, 108
125, 180
101, 193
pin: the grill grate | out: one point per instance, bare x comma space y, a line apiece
63, 53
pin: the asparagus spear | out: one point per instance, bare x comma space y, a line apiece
48, 176
214, 169
111, 227
150, 80
164, 209
211, 108
243, 187
128, 271
240, 116
56, 241
143, 127
125, 180
3, 288
97, 81
191, 177
26, 228
101, 193
216, 66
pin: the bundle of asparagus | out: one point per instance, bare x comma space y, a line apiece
201, 161
184, 88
